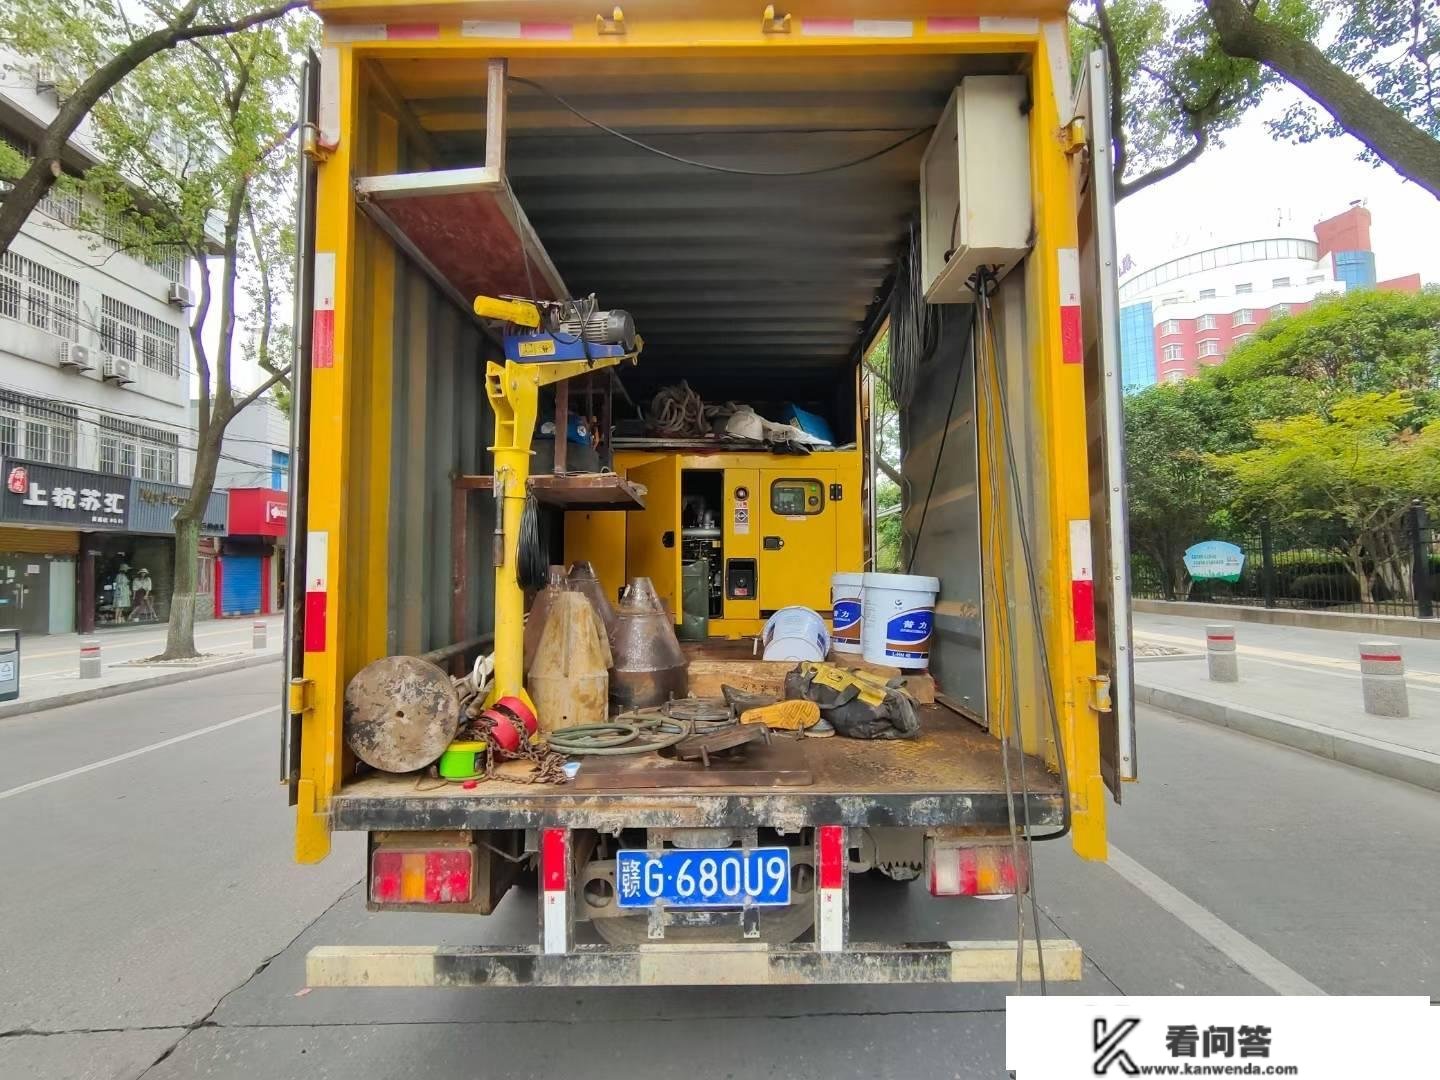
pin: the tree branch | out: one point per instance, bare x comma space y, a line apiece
253, 395
1124, 189
22, 198
1409, 150
1117, 91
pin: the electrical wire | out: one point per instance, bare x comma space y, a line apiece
915, 325
533, 564
711, 166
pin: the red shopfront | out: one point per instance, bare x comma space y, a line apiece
250, 574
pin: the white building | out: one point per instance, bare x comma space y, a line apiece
94, 379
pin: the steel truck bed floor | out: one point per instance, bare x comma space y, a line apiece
953, 774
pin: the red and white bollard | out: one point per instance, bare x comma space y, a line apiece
1220, 653
1382, 679
257, 635
90, 660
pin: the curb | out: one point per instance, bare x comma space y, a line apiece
79, 697
1418, 767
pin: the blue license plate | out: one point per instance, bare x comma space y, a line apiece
683, 878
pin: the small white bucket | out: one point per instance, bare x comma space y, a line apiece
796, 633
847, 612
899, 619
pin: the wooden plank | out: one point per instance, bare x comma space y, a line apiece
573, 491
751, 676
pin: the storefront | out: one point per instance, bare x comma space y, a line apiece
135, 571
252, 556
49, 515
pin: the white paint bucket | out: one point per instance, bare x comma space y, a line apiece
796, 633
899, 619
847, 612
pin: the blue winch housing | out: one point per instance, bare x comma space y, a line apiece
541, 347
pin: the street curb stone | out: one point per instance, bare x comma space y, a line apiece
79, 697
1413, 766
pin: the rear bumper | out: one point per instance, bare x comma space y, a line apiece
792, 808
687, 965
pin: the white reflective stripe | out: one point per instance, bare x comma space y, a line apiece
488, 28
831, 935
325, 281
1000, 24
1069, 259
317, 561
556, 917
858, 27
1058, 56
329, 119
343, 33
1080, 555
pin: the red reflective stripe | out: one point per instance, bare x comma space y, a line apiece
1072, 351
1220, 637
322, 341
1389, 658
553, 845
411, 31
1082, 602
832, 856
315, 604
954, 25
547, 31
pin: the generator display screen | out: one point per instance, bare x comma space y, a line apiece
796, 498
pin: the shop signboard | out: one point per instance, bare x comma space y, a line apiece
42, 494
259, 512
154, 505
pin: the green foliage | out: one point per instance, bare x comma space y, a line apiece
1175, 91
1393, 48
1354, 470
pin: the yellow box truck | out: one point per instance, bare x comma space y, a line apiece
771, 192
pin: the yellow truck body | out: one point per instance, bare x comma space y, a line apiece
393, 406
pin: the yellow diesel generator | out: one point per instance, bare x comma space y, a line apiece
770, 529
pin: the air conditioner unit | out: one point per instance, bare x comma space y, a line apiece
75, 357
118, 369
180, 295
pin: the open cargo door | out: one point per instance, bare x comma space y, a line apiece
1109, 554
652, 535
295, 571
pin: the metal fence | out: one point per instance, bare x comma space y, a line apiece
1319, 567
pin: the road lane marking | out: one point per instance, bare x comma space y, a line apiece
33, 784
1249, 956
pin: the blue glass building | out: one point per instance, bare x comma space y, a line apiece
1137, 346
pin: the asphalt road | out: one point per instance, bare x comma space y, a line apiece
152, 923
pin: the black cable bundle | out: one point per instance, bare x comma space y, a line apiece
914, 325
533, 568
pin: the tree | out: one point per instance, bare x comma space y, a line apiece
1355, 471
1376, 79
109, 39
1173, 90
197, 144
1175, 491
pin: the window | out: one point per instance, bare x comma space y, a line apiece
1279, 309
1174, 376
1280, 283
1205, 322
1207, 294
1243, 287
1209, 348
1314, 279
1242, 338
139, 337
36, 429
1243, 317
280, 470
131, 449
35, 294
1169, 326
1174, 352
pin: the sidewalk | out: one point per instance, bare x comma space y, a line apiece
1299, 687
50, 664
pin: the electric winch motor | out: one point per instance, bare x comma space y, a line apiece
613, 327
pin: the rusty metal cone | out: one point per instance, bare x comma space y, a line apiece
583, 579
540, 612
649, 665
568, 681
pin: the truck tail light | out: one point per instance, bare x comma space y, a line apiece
437, 876
957, 869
